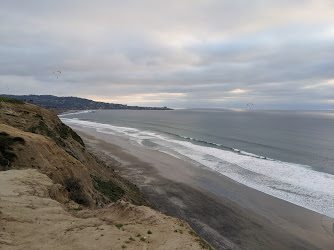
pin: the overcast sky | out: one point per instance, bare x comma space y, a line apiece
277, 54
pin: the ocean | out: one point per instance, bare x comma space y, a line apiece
286, 154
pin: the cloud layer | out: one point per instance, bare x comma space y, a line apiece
198, 53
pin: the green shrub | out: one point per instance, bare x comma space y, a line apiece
108, 188
58, 134
200, 241
77, 209
149, 232
38, 116
42, 129
192, 233
60, 142
203, 244
75, 190
118, 225
11, 100
76, 137
62, 130
6, 156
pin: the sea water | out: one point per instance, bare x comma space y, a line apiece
286, 154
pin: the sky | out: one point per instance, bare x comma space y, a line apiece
276, 54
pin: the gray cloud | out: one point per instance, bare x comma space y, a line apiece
198, 53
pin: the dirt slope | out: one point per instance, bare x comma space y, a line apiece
30, 219
56, 150
55, 195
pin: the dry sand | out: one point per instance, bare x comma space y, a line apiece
226, 213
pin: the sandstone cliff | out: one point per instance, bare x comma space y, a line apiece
56, 150
55, 195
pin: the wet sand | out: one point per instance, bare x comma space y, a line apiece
227, 214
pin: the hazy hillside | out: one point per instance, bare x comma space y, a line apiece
74, 103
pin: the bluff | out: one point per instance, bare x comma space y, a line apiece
54, 194
57, 151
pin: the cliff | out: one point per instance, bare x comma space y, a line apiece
54, 194
57, 151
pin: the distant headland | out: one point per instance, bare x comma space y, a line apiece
63, 104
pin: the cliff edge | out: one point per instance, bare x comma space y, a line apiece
54, 194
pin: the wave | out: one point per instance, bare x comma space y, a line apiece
77, 112
221, 146
295, 183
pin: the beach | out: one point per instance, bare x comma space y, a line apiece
227, 214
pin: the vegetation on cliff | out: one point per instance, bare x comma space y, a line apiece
11, 100
58, 134
45, 167
30, 219
6, 155
59, 152
108, 188
75, 190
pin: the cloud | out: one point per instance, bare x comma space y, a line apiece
238, 91
147, 98
189, 53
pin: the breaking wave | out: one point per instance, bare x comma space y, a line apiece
295, 183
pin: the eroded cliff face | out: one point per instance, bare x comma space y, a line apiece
55, 195
30, 219
56, 150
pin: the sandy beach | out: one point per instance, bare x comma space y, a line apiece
227, 214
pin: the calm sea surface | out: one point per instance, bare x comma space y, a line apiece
287, 154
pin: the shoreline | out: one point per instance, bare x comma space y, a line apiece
227, 214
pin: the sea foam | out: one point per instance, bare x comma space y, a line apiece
295, 183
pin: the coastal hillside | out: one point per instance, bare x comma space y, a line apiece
57, 151
74, 103
55, 194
